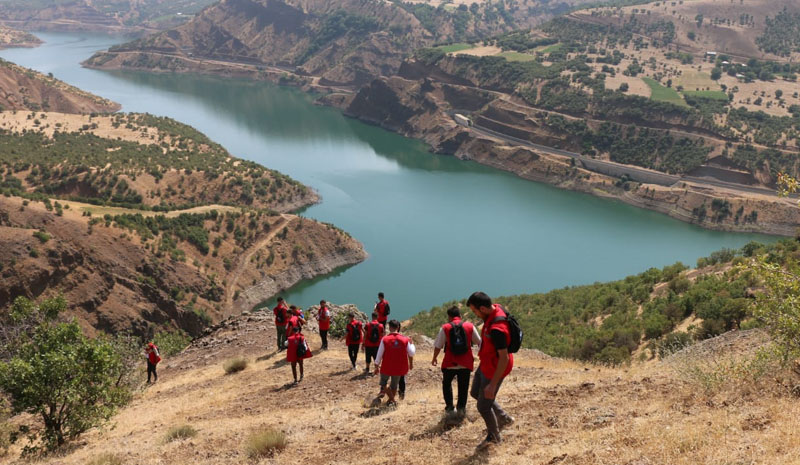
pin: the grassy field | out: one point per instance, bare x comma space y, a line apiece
452, 48
663, 94
516, 56
693, 80
551, 48
712, 94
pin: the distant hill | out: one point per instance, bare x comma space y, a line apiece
25, 89
341, 42
93, 15
15, 38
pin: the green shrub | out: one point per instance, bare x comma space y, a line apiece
235, 365
42, 236
171, 342
265, 443
56, 373
339, 325
176, 433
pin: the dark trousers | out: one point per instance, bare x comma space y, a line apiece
281, 336
402, 388
370, 353
323, 334
463, 387
151, 370
352, 352
489, 409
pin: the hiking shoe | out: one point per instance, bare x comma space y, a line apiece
488, 442
402, 395
461, 413
503, 422
391, 403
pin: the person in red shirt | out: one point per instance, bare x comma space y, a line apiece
373, 333
295, 321
281, 318
354, 335
458, 359
495, 364
324, 319
382, 309
151, 351
395, 358
297, 351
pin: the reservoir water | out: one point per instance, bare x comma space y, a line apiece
436, 228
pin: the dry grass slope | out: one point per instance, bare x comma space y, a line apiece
567, 413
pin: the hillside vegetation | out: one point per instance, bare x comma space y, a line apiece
640, 316
346, 42
107, 15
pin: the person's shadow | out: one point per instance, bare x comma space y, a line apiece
285, 387
444, 425
479, 456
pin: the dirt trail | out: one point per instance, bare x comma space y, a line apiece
242, 264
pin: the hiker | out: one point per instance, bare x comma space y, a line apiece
297, 351
395, 358
324, 319
295, 321
354, 334
495, 364
151, 353
382, 309
281, 318
373, 333
456, 338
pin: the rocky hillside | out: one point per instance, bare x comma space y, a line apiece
14, 38
566, 412
143, 223
25, 89
341, 42
101, 16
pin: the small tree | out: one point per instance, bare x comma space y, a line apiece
55, 372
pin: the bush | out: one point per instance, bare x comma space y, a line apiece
42, 236
58, 374
171, 342
235, 365
176, 433
339, 325
265, 443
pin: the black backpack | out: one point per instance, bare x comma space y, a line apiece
301, 348
458, 339
281, 317
514, 329
386, 309
355, 332
374, 332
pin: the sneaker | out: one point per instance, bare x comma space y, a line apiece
461, 413
402, 395
503, 422
488, 442
391, 403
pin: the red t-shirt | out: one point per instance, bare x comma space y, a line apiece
349, 336
324, 318
466, 360
395, 355
291, 352
368, 332
380, 308
152, 355
488, 352
280, 312
292, 324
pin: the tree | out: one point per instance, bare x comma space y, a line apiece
623, 87
691, 35
716, 73
778, 93
56, 373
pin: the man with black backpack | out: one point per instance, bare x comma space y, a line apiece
456, 339
500, 338
281, 318
373, 333
354, 334
382, 309
297, 351
295, 321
